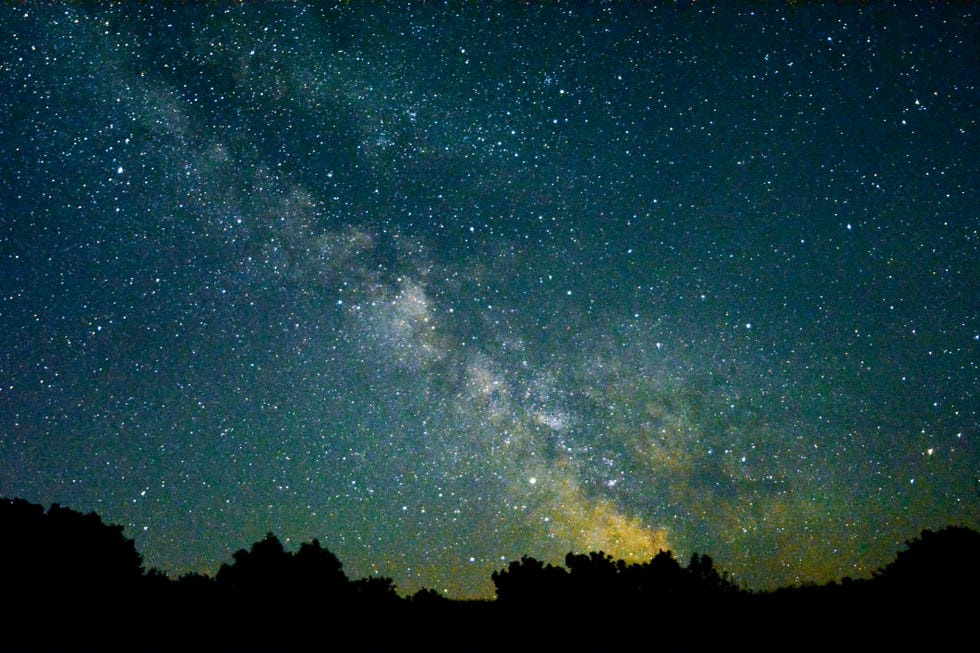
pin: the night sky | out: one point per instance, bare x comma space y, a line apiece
446, 284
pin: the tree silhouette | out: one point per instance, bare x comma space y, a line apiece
944, 561
318, 568
428, 597
375, 590
595, 576
705, 577
660, 577
65, 551
61, 570
270, 579
195, 582
530, 580
262, 570
72, 582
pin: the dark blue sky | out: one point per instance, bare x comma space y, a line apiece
445, 284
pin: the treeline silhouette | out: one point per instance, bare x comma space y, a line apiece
72, 582
596, 576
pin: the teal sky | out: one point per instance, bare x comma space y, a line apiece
443, 284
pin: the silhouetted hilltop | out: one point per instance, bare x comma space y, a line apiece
944, 561
71, 581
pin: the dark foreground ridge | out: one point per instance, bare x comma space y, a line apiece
71, 582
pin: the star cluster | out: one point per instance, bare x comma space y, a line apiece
446, 284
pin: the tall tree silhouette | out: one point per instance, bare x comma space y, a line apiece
705, 577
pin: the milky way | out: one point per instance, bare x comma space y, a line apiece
446, 284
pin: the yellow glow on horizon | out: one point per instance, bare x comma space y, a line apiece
589, 524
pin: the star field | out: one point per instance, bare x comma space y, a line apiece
446, 284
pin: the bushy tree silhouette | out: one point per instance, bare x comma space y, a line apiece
530, 581
71, 581
262, 570
428, 597
318, 566
943, 561
661, 577
270, 579
65, 551
594, 576
61, 571
196, 582
376, 591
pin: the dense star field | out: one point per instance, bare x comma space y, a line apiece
445, 284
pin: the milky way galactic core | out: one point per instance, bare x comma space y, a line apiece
444, 284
